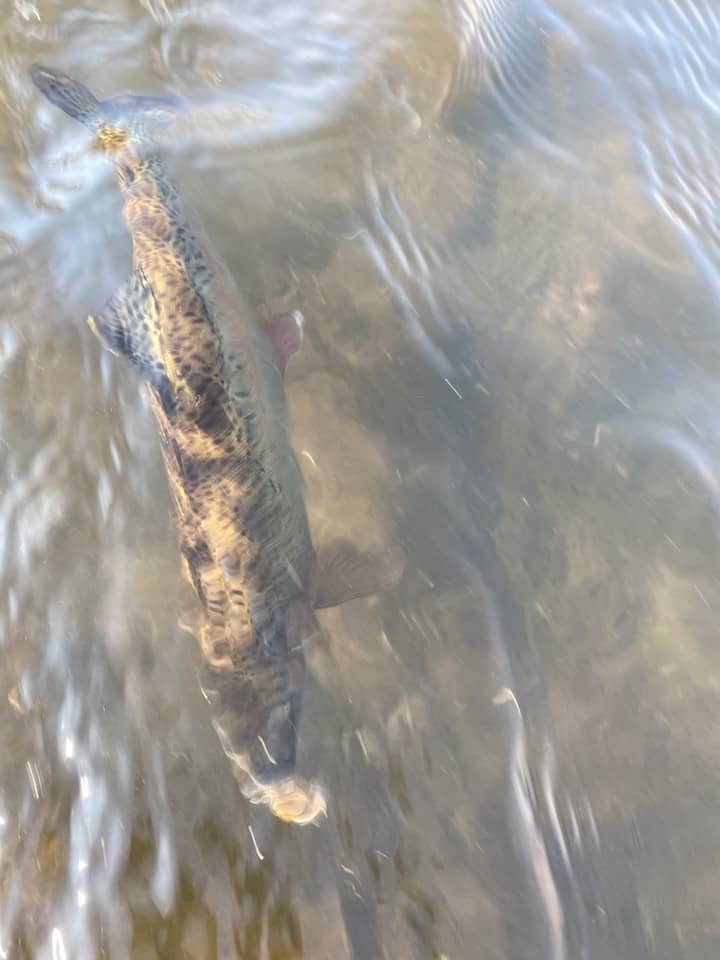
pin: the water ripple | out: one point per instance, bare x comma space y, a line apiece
670, 57
504, 52
241, 74
405, 266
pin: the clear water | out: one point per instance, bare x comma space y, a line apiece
500, 219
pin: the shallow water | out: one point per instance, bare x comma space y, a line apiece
500, 219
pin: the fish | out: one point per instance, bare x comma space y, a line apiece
214, 372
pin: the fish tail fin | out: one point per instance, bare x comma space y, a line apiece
70, 95
111, 118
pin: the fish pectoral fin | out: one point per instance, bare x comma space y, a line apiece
343, 572
125, 324
285, 331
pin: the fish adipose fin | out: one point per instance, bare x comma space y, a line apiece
342, 572
285, 331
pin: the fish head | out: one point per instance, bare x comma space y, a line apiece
256, 712
272, 750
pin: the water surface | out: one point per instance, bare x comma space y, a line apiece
500, 219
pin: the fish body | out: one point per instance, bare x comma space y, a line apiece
215, 378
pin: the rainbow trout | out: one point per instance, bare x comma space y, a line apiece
214, 374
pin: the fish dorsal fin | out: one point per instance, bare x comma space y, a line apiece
343, 572
127, 323
128, 326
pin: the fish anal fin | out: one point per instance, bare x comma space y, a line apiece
285, 331
343, 572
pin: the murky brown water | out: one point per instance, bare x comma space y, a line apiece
500, 219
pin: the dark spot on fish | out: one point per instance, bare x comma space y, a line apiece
197, 554
164, 391
195, 469
213, 419
116, 337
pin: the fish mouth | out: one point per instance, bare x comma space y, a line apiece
290, 798
293, 799
269, 779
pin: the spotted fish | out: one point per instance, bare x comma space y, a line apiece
214, 374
